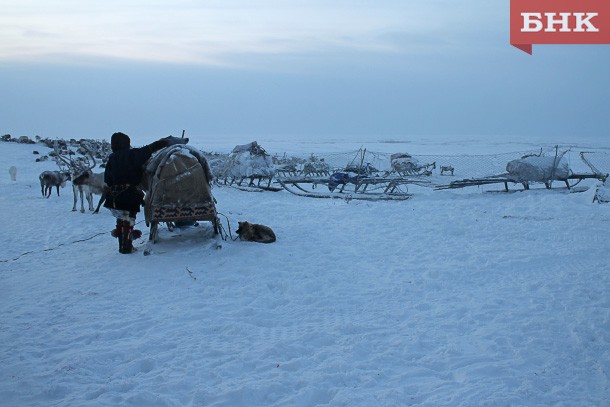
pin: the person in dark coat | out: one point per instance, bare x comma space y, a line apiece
122, 175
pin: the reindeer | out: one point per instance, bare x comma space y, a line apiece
50, 179
404, 164
85, 182
90, 183
428, 168
447, 168
105, 191
317, 168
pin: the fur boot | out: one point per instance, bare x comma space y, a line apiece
125, 242
118, 232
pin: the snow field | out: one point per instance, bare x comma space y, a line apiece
450, 298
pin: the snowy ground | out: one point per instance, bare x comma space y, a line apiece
452, 298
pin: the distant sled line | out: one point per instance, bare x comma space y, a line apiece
298, 190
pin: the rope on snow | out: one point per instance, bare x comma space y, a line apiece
223, 233
58, 246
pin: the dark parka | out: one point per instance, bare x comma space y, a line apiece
124, 172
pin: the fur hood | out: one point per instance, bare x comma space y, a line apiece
120, 141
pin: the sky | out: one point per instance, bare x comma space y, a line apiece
293, 69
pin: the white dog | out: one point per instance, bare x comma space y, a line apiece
13, 173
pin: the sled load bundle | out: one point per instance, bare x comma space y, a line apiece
538, 169
178, 183
248, 166
250, 160
405, 165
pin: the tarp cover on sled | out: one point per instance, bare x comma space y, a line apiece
178, 184
249, 160
539, 169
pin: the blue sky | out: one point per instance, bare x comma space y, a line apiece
313, 68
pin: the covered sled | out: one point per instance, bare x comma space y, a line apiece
406, 165
537, 168
178, 183
248, 166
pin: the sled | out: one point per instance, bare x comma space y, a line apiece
405, 165
570, 181
361, 188
532, 169
248, 168
357, 179
178, 182
250, 184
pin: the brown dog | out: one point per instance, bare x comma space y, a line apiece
255, 233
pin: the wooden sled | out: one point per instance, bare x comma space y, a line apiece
369, 189
570, 182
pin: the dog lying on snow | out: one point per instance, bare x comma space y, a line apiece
253, 232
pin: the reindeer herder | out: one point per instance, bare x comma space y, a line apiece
122, 175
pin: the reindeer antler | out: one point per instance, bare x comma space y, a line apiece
76, 167
59, 159
90, 154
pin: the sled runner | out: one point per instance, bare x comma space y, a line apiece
178, 183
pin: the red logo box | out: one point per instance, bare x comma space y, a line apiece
559, 22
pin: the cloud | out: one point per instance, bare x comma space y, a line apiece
212, 34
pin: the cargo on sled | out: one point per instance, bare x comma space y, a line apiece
179, 185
